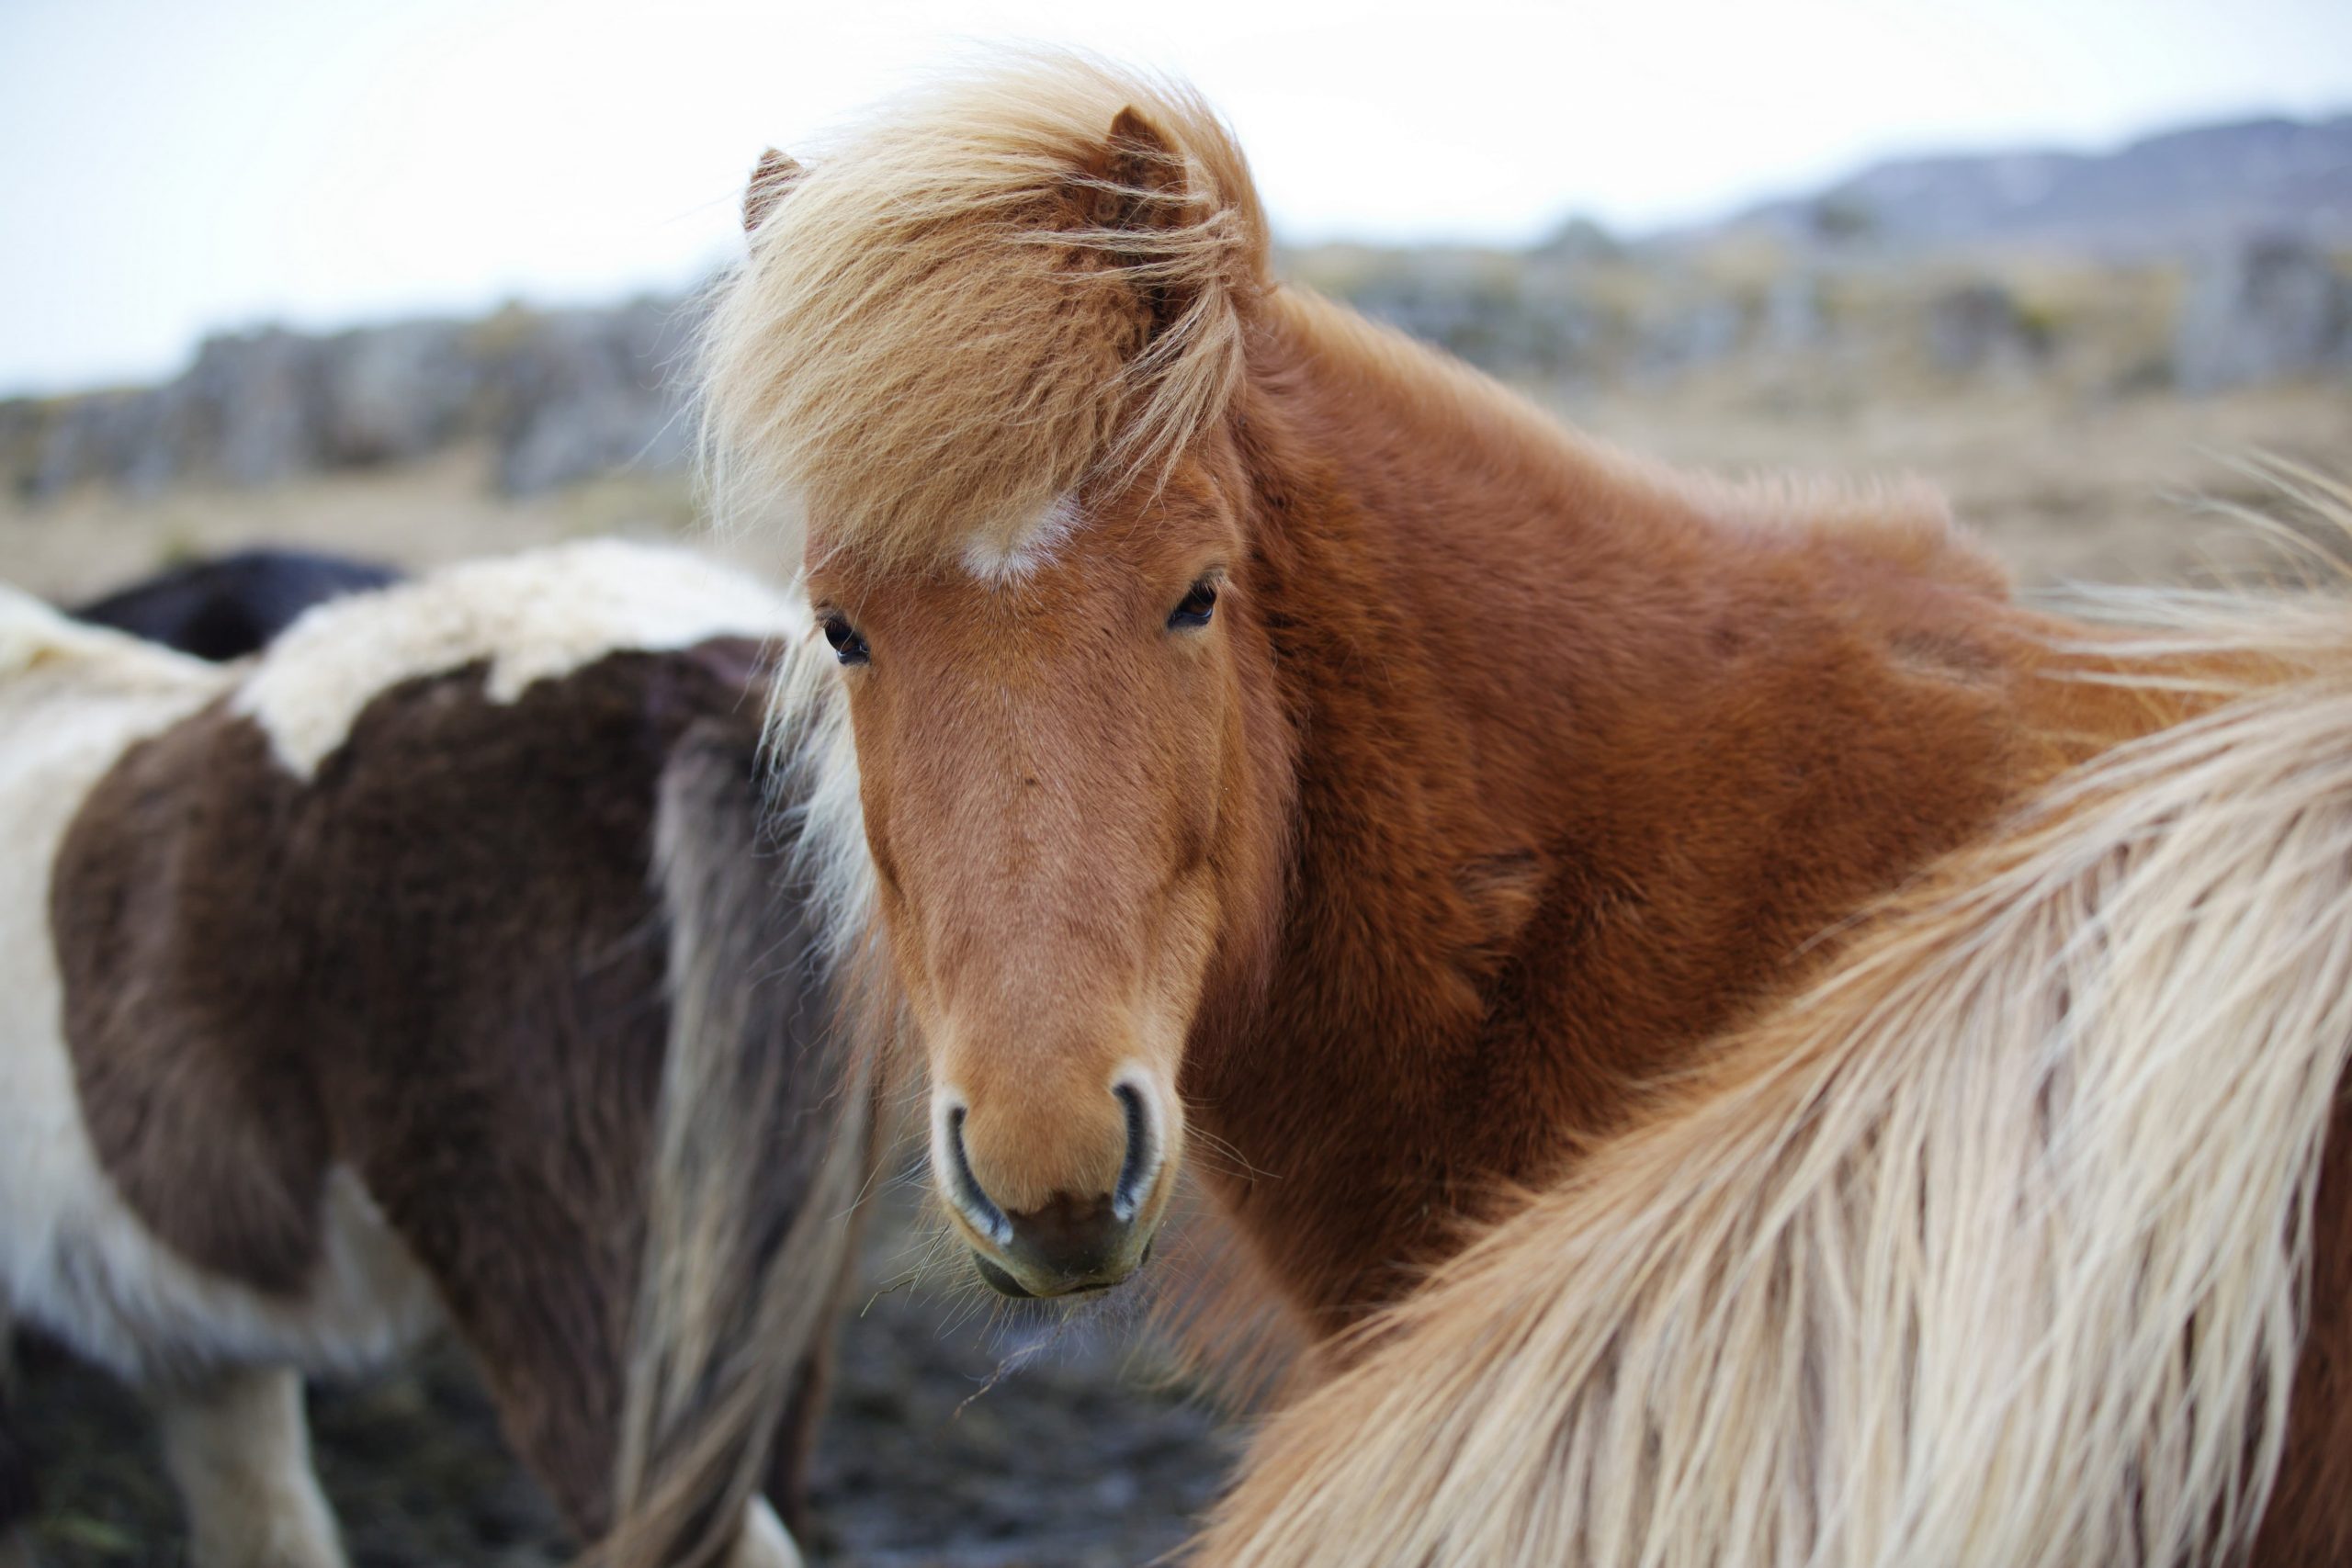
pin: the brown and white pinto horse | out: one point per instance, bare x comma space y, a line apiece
430, 966
1267, 729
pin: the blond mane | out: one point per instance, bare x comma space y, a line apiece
940, 328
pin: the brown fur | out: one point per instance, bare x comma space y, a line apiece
1654, 750
1991, 1247
17, 1498
442, 965
2309, 1519
193, 1076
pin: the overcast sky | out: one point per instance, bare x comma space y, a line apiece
173, 167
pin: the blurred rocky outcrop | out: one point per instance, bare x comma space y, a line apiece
1979, 326
1513, 315
588, 391
557, 397
2263, 310
560, 396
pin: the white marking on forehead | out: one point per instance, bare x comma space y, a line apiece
998, 562
531, 618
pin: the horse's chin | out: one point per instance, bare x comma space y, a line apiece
998, 1278
1003, 1283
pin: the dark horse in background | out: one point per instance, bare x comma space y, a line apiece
433, 966
226, 606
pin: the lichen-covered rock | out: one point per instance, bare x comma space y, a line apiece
1978, 327
394, 394
1795, 316
2263, 310
560, 396
583, 392
132, 438
1691, 334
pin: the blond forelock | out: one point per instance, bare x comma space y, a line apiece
935, 336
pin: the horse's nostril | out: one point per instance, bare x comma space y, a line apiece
1141, 1167
964, 1188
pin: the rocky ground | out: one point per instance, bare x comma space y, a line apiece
958, 1438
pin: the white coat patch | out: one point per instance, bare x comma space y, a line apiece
531, 618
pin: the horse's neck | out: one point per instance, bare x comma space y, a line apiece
1585, 760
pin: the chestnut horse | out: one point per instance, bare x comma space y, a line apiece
1271, 735
428, 967
1262, 722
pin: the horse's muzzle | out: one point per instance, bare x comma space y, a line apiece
1070, 1245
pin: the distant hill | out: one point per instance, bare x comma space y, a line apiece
2166, 195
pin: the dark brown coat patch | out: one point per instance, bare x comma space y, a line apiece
16, 1471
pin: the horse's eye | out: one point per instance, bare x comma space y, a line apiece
1195, 609
848, 646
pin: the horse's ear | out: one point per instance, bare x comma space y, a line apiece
776, 173
1142, 176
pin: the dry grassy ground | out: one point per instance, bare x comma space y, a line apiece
1070, 1460
2063, 486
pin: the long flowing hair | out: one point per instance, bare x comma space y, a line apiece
766, 1141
